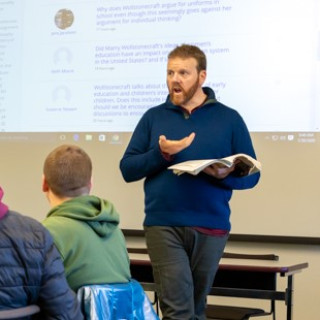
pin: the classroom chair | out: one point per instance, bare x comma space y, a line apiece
227, 312
145, 269
116, 301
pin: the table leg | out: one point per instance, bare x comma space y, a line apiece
289, 294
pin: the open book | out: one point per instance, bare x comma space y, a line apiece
245, 165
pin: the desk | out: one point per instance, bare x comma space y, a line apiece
254, 279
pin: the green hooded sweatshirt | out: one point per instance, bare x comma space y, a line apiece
91, 244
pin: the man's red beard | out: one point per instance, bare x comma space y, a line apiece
179, 96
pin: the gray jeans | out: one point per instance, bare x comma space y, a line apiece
184, 265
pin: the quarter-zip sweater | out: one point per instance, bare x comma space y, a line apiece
186, 200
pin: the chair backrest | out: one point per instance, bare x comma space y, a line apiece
138, 250
268, 256
19, 313
116, 301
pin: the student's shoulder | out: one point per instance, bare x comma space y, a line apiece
22, 221
27, 230
58, 222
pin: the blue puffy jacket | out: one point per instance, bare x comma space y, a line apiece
31, 271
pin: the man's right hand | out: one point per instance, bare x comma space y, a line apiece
171, 147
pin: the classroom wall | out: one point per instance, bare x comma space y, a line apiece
282, 204
306, 283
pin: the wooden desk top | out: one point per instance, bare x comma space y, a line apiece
282, 267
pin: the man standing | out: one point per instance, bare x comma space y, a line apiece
187, 218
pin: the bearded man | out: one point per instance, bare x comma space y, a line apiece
187, 218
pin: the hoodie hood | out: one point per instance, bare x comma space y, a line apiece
3, 208
98, 213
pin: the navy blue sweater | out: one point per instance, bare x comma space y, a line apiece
186, 200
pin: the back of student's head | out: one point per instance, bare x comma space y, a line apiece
67, 170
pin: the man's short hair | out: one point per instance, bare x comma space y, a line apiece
186, 51
67, 170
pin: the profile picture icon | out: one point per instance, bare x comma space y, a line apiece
64, 19
61, 95
62, 56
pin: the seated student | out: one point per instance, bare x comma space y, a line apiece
31, 271
85, 228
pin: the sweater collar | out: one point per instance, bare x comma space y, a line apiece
3, 207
